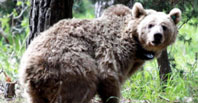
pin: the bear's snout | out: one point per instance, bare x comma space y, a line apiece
157, 38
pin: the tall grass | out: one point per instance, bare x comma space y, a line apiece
182, 86
10, 53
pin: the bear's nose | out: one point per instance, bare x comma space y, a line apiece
157, 38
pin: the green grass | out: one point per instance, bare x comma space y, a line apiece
181, 86
144, 84
10, 55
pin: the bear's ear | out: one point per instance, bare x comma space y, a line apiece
138, 10
175, 15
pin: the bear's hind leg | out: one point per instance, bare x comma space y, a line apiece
109, 91
34, 96
43, 92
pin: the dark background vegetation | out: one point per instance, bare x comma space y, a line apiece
21, 21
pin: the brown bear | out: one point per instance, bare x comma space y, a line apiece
76, 59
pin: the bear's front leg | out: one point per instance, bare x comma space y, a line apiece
109, 90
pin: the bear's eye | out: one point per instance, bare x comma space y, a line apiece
164, 28
150, 25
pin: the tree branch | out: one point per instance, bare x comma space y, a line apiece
21, 14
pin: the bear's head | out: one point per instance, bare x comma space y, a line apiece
156, 30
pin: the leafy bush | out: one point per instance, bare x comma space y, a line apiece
182, 86
14, 29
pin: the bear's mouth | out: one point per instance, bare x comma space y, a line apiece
156, 42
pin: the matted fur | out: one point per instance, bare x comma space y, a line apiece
76, 59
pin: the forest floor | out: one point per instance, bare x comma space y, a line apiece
18, 98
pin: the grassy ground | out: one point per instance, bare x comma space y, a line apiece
145, 85
182, 86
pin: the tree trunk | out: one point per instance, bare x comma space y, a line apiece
9, 91
44, 13
164, 65
163, 62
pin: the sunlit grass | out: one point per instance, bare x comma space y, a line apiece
10, 55
144, 84
182, 86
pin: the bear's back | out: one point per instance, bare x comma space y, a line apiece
75, 38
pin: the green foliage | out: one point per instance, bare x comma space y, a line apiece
5, 23
10, 55
7, 6
188, 7
83, 9
182, 84
15, 32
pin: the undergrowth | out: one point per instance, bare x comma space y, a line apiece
182, 84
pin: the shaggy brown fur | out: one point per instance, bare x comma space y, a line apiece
76, 59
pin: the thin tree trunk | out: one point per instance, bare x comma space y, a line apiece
164, 65
163, 62
44, 13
